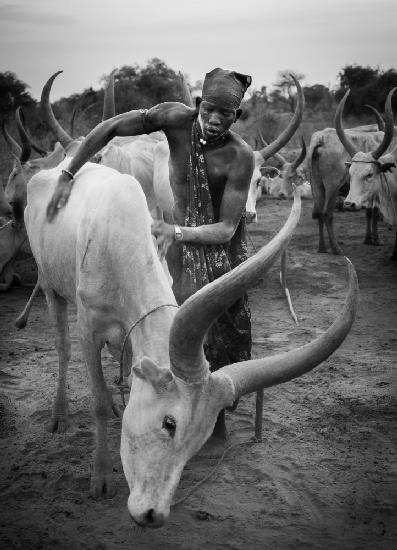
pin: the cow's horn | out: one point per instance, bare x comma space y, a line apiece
248, 376
26, 138
271, 149
389, 127
346, 142
196, 315
109, 107
59, 133
14, 147
26, 147
301, 156
379, 120
187, 98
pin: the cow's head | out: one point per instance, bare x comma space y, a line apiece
366, 168
172, 411
25, 167
255, 189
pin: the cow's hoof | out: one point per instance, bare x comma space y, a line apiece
322, 250
102, 486
377, 242
58, 425
367, 240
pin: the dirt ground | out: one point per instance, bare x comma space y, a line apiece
324, 476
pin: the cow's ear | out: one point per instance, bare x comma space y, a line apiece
348, 164
160, 378
386, 166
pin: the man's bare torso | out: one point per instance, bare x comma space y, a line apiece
220, 161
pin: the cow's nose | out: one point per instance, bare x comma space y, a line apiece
151, 518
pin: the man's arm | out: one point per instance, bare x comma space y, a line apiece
232, 206
133, 123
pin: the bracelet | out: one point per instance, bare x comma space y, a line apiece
71, 176
178, 235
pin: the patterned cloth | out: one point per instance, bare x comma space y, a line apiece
229, 338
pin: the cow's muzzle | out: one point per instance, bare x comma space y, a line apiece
150, 518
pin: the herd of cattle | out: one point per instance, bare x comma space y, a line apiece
96, 250
330, 162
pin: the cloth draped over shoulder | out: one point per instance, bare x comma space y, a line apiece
229, 338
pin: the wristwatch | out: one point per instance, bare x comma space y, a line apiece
178, 235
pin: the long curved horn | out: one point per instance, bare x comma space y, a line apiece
249, 376
76, 109
48, 114
196, 315
379, 120
278, 156
109, 107
271, 149
14, 147
26, 138
389, 127
186, 95
23, 136
301, 156
346, 142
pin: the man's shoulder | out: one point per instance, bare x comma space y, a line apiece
171, 113
241, 146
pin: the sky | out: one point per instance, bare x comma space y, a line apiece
89, 38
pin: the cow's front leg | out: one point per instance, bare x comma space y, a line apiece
102, 479
375, 235
58, 311
321, 241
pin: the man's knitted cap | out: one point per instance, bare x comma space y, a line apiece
226, 87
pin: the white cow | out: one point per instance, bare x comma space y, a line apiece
291, 173
100, 254
326, 163
373, 174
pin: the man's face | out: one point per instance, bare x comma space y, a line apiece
216, 119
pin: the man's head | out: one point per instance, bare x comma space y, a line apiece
222, 94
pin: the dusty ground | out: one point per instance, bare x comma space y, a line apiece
324, 476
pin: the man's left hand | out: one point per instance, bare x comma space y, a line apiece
164, 233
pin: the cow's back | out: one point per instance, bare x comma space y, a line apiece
100, 240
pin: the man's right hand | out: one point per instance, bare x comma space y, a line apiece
60, 196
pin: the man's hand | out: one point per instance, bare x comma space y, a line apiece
60, 196
164, 233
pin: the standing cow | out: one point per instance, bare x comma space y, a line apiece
100, 254
373, 174
326, 164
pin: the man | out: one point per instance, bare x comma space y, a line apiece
210, 174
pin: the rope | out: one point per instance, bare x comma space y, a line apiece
129, 332
207, 477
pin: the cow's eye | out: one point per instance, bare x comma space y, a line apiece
169, 424
369, 176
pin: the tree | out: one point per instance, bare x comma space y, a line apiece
286, 85
318, 97
367, 86
13, 93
